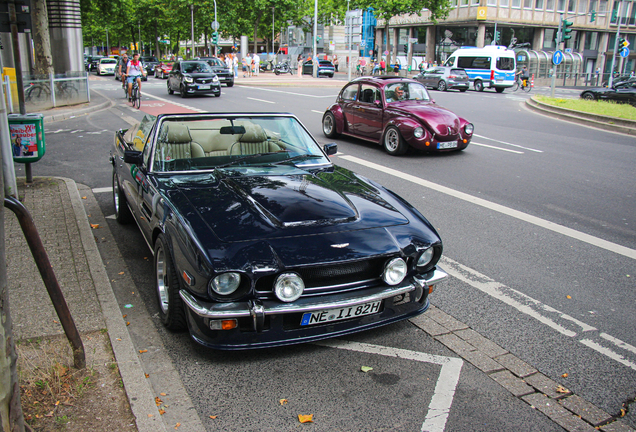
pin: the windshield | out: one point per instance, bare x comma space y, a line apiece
198, 67
406, 91
108, 61
185, 144
216, 62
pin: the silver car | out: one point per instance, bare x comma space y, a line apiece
443, 78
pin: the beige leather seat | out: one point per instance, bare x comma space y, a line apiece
253, 141
175, 142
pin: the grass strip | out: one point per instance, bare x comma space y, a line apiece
606, 108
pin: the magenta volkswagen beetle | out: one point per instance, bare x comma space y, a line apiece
397, 113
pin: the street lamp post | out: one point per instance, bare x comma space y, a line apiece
315, 63
273, 9
107, 44
216, 45
192, 28
139, 47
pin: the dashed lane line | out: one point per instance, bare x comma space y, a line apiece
509, 144
261, 100
496, 148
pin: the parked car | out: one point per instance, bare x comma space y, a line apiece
624, 92
259, 240
91, 62
163, 69
149, 63
106, 66
225, 74
193, 77
325, 67
443, 78
396, 113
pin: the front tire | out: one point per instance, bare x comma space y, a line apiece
171, 309
587, 96
182, 92
479, 86
122, 212
329, 125
277, 72
170, 91
441, 85
393, 142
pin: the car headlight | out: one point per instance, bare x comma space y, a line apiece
215, 79
418, 132
289, 287
188, 79
425, 258
226, 283
469, 128
394, 272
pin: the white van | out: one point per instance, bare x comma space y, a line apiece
493, 66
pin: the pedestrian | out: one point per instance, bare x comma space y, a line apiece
335, 62
300, 65
256, 61
235, 65
246, 65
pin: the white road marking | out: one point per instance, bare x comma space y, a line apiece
560, 229
510, 144
111, 217
496, 148
144, 95
619, 343
608, 352
440, 405
102, 190
289, 93
319, 112
260, 100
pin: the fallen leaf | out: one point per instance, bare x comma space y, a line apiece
119, 339
147, 376
177, 425
94, 226
149, 415
162, 412
55, 322
124, 316
561, 389
143, 351
57, 403
121, 273
568, 296
309, 418
623, 412
366, 369
282, 401
83, 197
127, 323
163, 394
158, 401
213, 417
565, 375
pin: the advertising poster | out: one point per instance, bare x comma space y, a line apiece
24, 140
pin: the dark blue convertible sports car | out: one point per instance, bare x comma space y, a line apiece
259, 240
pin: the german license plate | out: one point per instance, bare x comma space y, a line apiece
447, 145
321, 317
204, 87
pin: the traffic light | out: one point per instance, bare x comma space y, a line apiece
622, 43
593, 16
614, 15
215, 38
497, 36
406, 48
566, 29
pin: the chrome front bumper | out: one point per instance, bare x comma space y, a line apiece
257, 309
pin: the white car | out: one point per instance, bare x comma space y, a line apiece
106, 66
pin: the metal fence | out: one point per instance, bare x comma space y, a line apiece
43, 92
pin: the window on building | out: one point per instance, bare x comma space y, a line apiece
491, 3
632, 17
549, 5
572, 6
591, 41
592, 7
548, 38
602, 6
582, 6
503, 3
538, 4
625, 12
516, 4
560, 5
464, 3
475, 2
454, 3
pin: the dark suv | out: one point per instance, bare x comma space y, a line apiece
193, 77
225, 74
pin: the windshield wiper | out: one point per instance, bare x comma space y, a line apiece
234, 162
293, 158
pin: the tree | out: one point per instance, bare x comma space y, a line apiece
387, 9
41, 39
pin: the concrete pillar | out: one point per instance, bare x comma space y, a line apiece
396, 33
481, 35
600, 60
379, 41
409, 56
65, 29
430, 43
537, 40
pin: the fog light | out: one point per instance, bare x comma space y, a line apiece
419, 292
223, 324
394, 272
289, 287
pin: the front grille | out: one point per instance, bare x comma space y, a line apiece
203, 80
329, 278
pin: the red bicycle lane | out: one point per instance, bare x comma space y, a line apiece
153, 106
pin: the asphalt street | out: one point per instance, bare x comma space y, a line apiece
538, 222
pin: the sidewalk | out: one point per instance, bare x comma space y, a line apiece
58, 212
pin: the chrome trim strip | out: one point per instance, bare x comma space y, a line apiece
310, 304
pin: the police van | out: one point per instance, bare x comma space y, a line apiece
490, 67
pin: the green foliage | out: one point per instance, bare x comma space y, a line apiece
607, 108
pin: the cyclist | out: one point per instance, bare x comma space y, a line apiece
123, 67
523, 75
134, 72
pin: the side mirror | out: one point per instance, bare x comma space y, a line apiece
133, 157
378, 103
330, 149
432, 100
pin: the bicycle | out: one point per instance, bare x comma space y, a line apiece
135, 96
524, 84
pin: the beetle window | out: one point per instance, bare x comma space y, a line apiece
369, 94
350, 92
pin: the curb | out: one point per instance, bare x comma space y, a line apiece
138, 391
612, 124
571, 412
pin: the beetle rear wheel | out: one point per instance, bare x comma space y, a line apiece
393, 142
171, 308
329, 125
122, 212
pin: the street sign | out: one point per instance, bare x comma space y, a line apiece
413, 40
557, 57
624, 52
568, 50
363, 43
215, 25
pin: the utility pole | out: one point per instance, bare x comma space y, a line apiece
315, 59
107, 43
273, 52
348, 25
618, 32
559, 39
192, 28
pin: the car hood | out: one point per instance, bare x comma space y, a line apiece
442, 122
239, 207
